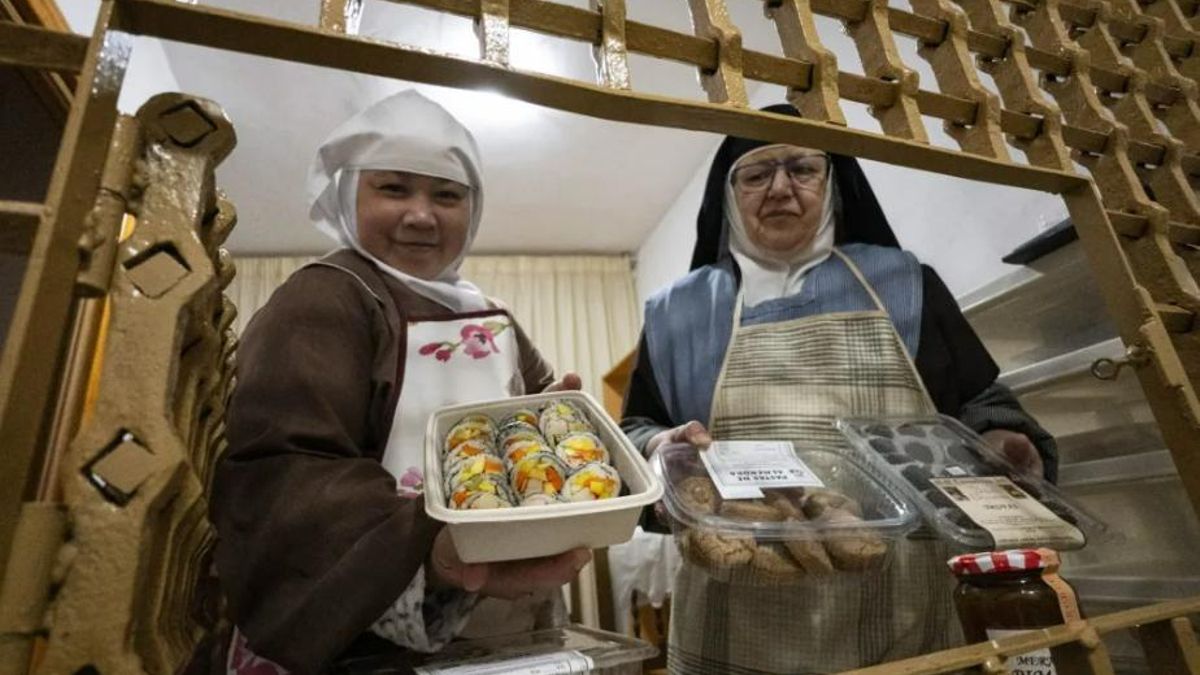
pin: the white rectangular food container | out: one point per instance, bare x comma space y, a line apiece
492, 535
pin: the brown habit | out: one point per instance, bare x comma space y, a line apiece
314, 543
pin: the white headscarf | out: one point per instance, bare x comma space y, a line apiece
403, 132
764, 276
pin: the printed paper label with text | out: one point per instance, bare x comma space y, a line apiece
741, 469
1010, 514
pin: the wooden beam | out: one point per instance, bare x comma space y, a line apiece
954, 660
35, 47
582, 24
43, 313
44, 13
573, 23
234, 31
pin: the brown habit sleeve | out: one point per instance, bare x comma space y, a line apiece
535, 371
314, 543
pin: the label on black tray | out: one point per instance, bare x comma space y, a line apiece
740, 469
1008, 513
554, 663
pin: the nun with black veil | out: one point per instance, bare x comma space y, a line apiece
800, 308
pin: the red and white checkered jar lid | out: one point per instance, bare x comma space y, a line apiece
996, 562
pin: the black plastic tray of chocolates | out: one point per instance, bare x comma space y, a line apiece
914, 450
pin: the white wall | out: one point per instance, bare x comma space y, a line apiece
960, 227
149, 72
664, 256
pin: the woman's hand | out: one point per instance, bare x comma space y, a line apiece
510, 579
569, 382
1017, 449
693, 432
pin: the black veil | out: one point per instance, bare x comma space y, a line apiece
859, 218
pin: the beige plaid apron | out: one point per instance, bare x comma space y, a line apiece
791, 380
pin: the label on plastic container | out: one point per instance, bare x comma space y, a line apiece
555, 663
1036, 662
1008, 513
740, 469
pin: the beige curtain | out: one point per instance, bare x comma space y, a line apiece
256, 279
580, 311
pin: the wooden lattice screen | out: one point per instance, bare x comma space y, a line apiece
1110, 84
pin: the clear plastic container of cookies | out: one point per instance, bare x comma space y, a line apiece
967, 492
847, 520
533, 476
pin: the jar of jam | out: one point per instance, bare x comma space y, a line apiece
1006, 592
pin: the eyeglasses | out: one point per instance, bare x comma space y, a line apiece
805, 171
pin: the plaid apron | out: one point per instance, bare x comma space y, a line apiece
790, 380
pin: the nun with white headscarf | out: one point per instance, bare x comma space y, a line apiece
801, 308
325, 553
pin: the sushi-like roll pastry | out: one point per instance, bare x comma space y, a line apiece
478, 418
538, 473
540, 499
524, 415
467, 449
516, 451
484, 491
581, 448
593, 481
560, 418
521, 432
516, 426
470, 467
469, 427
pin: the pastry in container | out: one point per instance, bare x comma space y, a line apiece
561, 418
470, 448
538, 473
543, 525
591, 482
479, 465
484, 491
470, 427
580, 449
523, 416
930, 458
519, 450
847, 524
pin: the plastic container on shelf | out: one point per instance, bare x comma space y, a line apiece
568, 650
491, 535
966, 490
846, 520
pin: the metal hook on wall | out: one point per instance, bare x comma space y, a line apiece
1136, 356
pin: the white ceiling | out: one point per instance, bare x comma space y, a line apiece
554, 182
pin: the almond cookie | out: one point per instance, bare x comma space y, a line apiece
771, 563
749, 510
720, 552
698, 495
860, 551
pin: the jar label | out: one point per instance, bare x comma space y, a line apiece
1067, 601
740, 469
1008, 513
1037, 662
